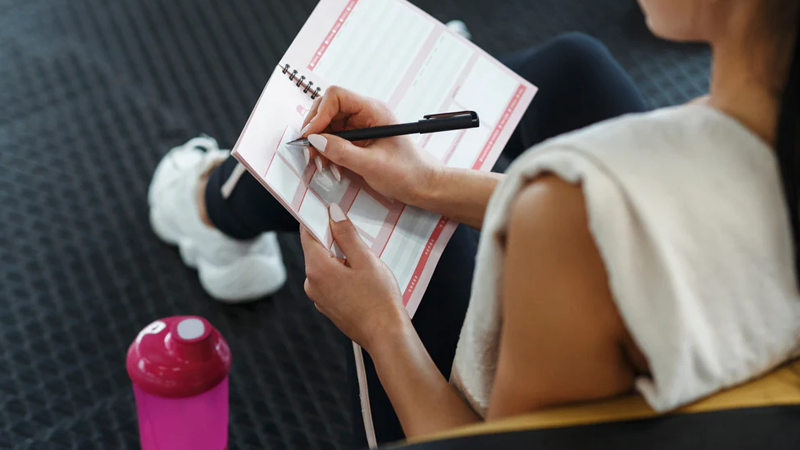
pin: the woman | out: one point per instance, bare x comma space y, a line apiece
652, 252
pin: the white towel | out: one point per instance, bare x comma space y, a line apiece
687, 210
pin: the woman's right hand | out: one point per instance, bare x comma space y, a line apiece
395, 167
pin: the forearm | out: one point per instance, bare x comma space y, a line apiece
460, 194
424, 401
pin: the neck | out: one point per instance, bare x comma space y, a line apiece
749, 72
743, 91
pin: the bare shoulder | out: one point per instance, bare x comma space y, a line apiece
562, 338
549, 240
549, 215
549, 197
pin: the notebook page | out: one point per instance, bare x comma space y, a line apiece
391, 50
276, 118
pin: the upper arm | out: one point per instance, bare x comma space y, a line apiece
562, 337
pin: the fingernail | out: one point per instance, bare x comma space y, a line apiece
336, 172
318, 142
306, 155
337, 215
305, 128
318, 162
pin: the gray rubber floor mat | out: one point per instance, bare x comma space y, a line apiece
92, 94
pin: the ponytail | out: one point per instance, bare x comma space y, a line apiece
788, 147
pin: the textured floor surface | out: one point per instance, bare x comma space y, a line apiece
92, 94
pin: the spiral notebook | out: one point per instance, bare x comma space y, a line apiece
393, 51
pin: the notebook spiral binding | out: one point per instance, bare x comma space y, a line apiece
287, 69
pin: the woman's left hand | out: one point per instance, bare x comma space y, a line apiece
359, 294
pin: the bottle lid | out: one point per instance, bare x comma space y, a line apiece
178, 356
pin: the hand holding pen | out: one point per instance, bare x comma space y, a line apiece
364, 137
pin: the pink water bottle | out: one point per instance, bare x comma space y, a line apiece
179, 367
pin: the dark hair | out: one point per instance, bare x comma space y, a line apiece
788, 145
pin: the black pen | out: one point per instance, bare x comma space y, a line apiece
432, 123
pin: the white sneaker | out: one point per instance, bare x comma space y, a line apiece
230, 270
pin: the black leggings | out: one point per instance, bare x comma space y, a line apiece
579, 84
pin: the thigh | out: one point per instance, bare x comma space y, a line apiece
580, 83
438, 322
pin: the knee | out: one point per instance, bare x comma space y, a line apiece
578, 50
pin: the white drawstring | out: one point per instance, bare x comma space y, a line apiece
230, 183
363, 389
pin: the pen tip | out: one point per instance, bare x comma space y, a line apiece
298, 143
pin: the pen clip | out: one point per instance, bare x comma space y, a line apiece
473, 114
